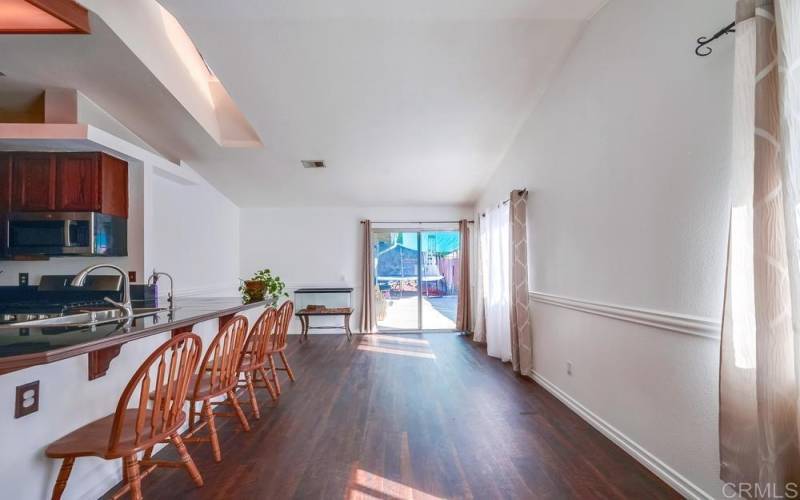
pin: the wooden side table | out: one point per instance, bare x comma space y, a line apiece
305, 315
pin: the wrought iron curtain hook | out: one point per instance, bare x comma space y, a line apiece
702, 49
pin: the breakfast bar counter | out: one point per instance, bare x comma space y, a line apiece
22, 347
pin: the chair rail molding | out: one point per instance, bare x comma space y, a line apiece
674, 322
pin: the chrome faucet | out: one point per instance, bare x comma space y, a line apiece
154, 278
125, 305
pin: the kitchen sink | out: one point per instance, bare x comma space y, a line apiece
90, 318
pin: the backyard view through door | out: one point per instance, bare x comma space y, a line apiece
416, 274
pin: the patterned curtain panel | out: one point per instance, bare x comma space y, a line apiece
521, 338
464, 310
760, 346
368, 321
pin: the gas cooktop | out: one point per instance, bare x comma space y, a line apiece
15, 312
56, 297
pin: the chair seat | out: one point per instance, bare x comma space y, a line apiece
249, 363
204, 391
92, 439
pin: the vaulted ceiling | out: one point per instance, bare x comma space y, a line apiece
408, 102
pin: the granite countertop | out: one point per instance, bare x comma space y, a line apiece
24, 347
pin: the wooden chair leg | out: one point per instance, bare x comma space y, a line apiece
252, 391
148, 453
212, 431
63, 476
188, 463
270, 388
239, 412
134, 480
192, 415
274, 375
286, 365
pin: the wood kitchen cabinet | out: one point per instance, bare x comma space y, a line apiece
33, 181
76, 183
5, 195
69, 182
5, 183
91, 182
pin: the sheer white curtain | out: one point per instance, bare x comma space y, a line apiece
496, 274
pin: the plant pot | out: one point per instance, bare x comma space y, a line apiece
255, 290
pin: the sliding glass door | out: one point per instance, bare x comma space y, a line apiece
416, 274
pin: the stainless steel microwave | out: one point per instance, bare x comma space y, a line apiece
66, 233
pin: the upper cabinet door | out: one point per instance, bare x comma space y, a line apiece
34, 179
113, 185
77, 182
5, 183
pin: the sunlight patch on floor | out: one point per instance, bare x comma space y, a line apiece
401, 352
366, 486
386, 344
389, 339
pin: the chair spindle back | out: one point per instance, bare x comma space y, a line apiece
258, 341
220, 365
281, 331
174, 361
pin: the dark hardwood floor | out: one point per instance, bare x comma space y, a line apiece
408, 416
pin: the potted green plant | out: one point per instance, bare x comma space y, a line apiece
263, 285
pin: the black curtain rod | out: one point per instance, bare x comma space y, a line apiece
702, 49
523, 191
416, 221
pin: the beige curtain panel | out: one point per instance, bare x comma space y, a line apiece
521, 337
479, 323
368, 321
758, 422
464, 310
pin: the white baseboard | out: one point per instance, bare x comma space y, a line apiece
653, 463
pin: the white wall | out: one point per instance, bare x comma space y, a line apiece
320, 246
626, 159
194, 236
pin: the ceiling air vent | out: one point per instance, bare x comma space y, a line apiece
313, 163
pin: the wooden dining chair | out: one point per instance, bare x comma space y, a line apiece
218, 376
254, 359
277, 344
131, 430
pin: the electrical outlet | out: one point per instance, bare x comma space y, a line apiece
23, 279
27, 400
132, 276
569, 368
